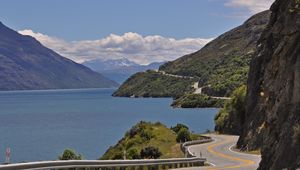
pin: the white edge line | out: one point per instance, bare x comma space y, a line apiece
214, 140
248, 154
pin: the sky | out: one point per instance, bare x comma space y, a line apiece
143, 31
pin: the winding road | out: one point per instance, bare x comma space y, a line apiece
220, 155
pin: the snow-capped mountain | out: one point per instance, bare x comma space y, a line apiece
104, 65
119, 69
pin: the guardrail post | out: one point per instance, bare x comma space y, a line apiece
149, 167
123, 168
163, 166
141, 167
175, 165
132, 168
156, 167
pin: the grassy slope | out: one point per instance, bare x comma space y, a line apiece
153, 84
224, 62
162, 137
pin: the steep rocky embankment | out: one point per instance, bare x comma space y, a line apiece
220, 67
272, 119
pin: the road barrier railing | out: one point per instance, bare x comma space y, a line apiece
151, 164
185, 146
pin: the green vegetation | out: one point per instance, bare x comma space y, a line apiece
197, 101
154, 84
150, 152
230, 118
178, 127
183, 135
222, 75
145, 135
70, 154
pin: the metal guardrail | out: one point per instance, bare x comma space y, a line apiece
185, 146
151, 164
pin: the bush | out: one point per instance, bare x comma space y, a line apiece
178, 127
133, 154
69, 154
183, 135
150, 152
229, 120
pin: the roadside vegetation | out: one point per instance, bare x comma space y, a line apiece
230, 118
197, 101
154, 84
148, 140
70, 154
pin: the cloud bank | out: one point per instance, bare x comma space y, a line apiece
252, 6
133, 46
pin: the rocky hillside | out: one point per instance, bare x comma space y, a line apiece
27, 64
223, 63
272, 119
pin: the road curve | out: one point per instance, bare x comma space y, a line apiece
220, 155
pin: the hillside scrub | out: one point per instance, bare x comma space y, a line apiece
154, 84
145, 135
230, 118
197, 101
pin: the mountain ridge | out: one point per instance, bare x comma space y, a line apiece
27, 65
220, 66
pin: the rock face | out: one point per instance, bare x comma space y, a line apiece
272, 119
25, 64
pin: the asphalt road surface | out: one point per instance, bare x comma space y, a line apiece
220, 155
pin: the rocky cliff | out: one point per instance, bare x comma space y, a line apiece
272, 119
25, 64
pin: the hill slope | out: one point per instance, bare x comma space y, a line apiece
223, 63
27, 64
154, 84
142, 135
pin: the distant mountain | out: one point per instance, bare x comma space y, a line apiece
220, 67
103, 65
25, 64
120, 69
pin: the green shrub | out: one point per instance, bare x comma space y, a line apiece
70, 154
183, 135
133, 154
150, 152
178, 127
231, 117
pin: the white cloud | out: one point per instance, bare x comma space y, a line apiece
252, 6
141, 49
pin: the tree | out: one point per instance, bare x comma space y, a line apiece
150, 152
178, 127
183, 135
70, 154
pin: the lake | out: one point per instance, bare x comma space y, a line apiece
39, 125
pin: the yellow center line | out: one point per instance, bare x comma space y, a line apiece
245, 162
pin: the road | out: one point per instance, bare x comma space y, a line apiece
220, 155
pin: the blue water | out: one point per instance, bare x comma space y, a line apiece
39, 125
